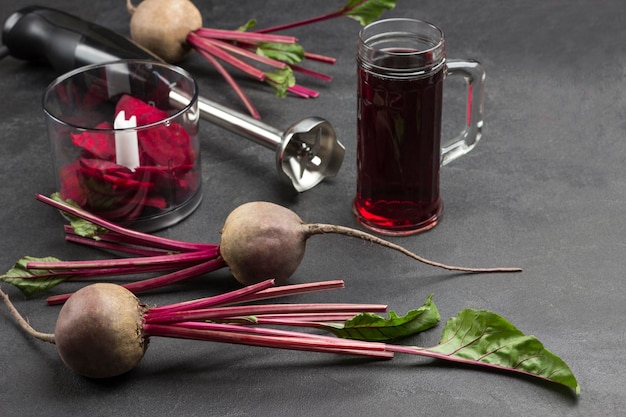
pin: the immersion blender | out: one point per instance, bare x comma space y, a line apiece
306, 152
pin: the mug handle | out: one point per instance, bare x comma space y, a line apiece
474, 75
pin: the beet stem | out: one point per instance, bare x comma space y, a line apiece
231, 81
221, 299
321, 58
294, 342
208, 46
311, 73
176, 276
141, 241
301, 320
302, 91
293, 289
163, 260
157, 282
254, 292
140, 236
247, 37
82, 274
244, 52
45, 337
304, 22
222, 313
319, 228
113, 246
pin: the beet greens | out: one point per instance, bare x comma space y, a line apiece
245, 48
260, 240
475, 337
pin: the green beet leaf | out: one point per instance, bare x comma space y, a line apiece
372, 327
289, 53
481, 337
367, 11
280, 80
249, 25
81, 227
32, 281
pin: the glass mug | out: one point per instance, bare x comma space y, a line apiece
401, 66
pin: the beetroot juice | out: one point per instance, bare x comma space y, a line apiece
401, 68
398, 152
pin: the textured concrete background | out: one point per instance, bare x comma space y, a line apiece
544, 190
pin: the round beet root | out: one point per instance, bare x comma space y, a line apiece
262, 240
259, 241
162, 26
98, 332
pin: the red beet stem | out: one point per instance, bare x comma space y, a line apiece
311, 73
113, 246
321, 58
244, 52
301, 320
304, 22
295, 341
148, 239
221, 299
302, 91
208, 46
222, 313
231, 81
254, 292
247, 37
293, 289
158, 282
169, 261
128, 243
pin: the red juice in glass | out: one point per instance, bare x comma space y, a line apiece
398, 152
401, 67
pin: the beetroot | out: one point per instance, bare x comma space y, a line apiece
162, 26
260, 241
263, 240
98, 333
103, 330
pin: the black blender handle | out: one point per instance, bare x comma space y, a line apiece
64, 41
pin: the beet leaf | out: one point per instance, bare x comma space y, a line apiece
33, 281
80, 226
483, 338
281, 80
365, 12
372, 327
288, 53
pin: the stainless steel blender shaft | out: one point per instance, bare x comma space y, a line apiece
306, 152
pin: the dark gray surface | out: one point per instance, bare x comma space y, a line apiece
544, 190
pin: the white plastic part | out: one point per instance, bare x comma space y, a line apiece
126, 144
